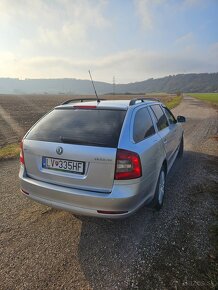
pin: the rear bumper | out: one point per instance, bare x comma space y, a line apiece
123, 198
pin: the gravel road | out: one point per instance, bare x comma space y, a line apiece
43, 248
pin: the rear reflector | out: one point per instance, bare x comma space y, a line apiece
111, 212
128, 165
21, 153
85, 107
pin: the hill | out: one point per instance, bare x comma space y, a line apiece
189, 83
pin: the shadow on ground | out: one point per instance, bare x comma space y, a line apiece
109, 251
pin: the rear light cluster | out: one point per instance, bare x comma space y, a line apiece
21, 153
128, 165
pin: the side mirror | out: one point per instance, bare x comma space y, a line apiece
181, 119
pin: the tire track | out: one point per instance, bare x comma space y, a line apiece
17, 129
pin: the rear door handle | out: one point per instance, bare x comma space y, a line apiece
165, 141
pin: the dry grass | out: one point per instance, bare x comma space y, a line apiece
9, 151
174, 102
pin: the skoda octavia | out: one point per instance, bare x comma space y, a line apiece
101, 158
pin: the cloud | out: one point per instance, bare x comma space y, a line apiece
127, 66
144, 9
53, 24
185, 38
150, 10
186, 42
63, 38
45, 12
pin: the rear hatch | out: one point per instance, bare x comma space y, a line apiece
75, 147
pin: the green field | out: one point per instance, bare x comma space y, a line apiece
209, 97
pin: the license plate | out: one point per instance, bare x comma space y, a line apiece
65, 165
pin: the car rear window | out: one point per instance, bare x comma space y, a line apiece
91, 127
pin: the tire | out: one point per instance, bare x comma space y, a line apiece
181, 148
160, 190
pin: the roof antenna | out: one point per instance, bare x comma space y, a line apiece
94, 87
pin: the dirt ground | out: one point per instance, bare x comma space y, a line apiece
19, 113
43, 248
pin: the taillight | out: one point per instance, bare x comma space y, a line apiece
21, 153
128, 165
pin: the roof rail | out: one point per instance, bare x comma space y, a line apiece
80, 100
133, 101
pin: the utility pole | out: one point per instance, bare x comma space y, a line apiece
113, 85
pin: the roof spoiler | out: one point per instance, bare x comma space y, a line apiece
133, 101
80, 100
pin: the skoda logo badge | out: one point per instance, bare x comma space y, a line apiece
59, 150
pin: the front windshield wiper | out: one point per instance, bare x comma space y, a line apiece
79, 141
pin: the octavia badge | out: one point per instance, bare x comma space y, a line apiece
59, 150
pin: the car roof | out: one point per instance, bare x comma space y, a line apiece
116, 104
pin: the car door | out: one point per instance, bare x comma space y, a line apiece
164, 129
148, 144
174, 128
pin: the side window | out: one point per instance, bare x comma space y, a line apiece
170, 116
143, 126
160, 116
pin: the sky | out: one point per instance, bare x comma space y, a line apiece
131, 40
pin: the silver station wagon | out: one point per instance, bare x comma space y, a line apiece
101, 158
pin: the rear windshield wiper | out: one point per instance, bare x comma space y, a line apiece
81, 142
